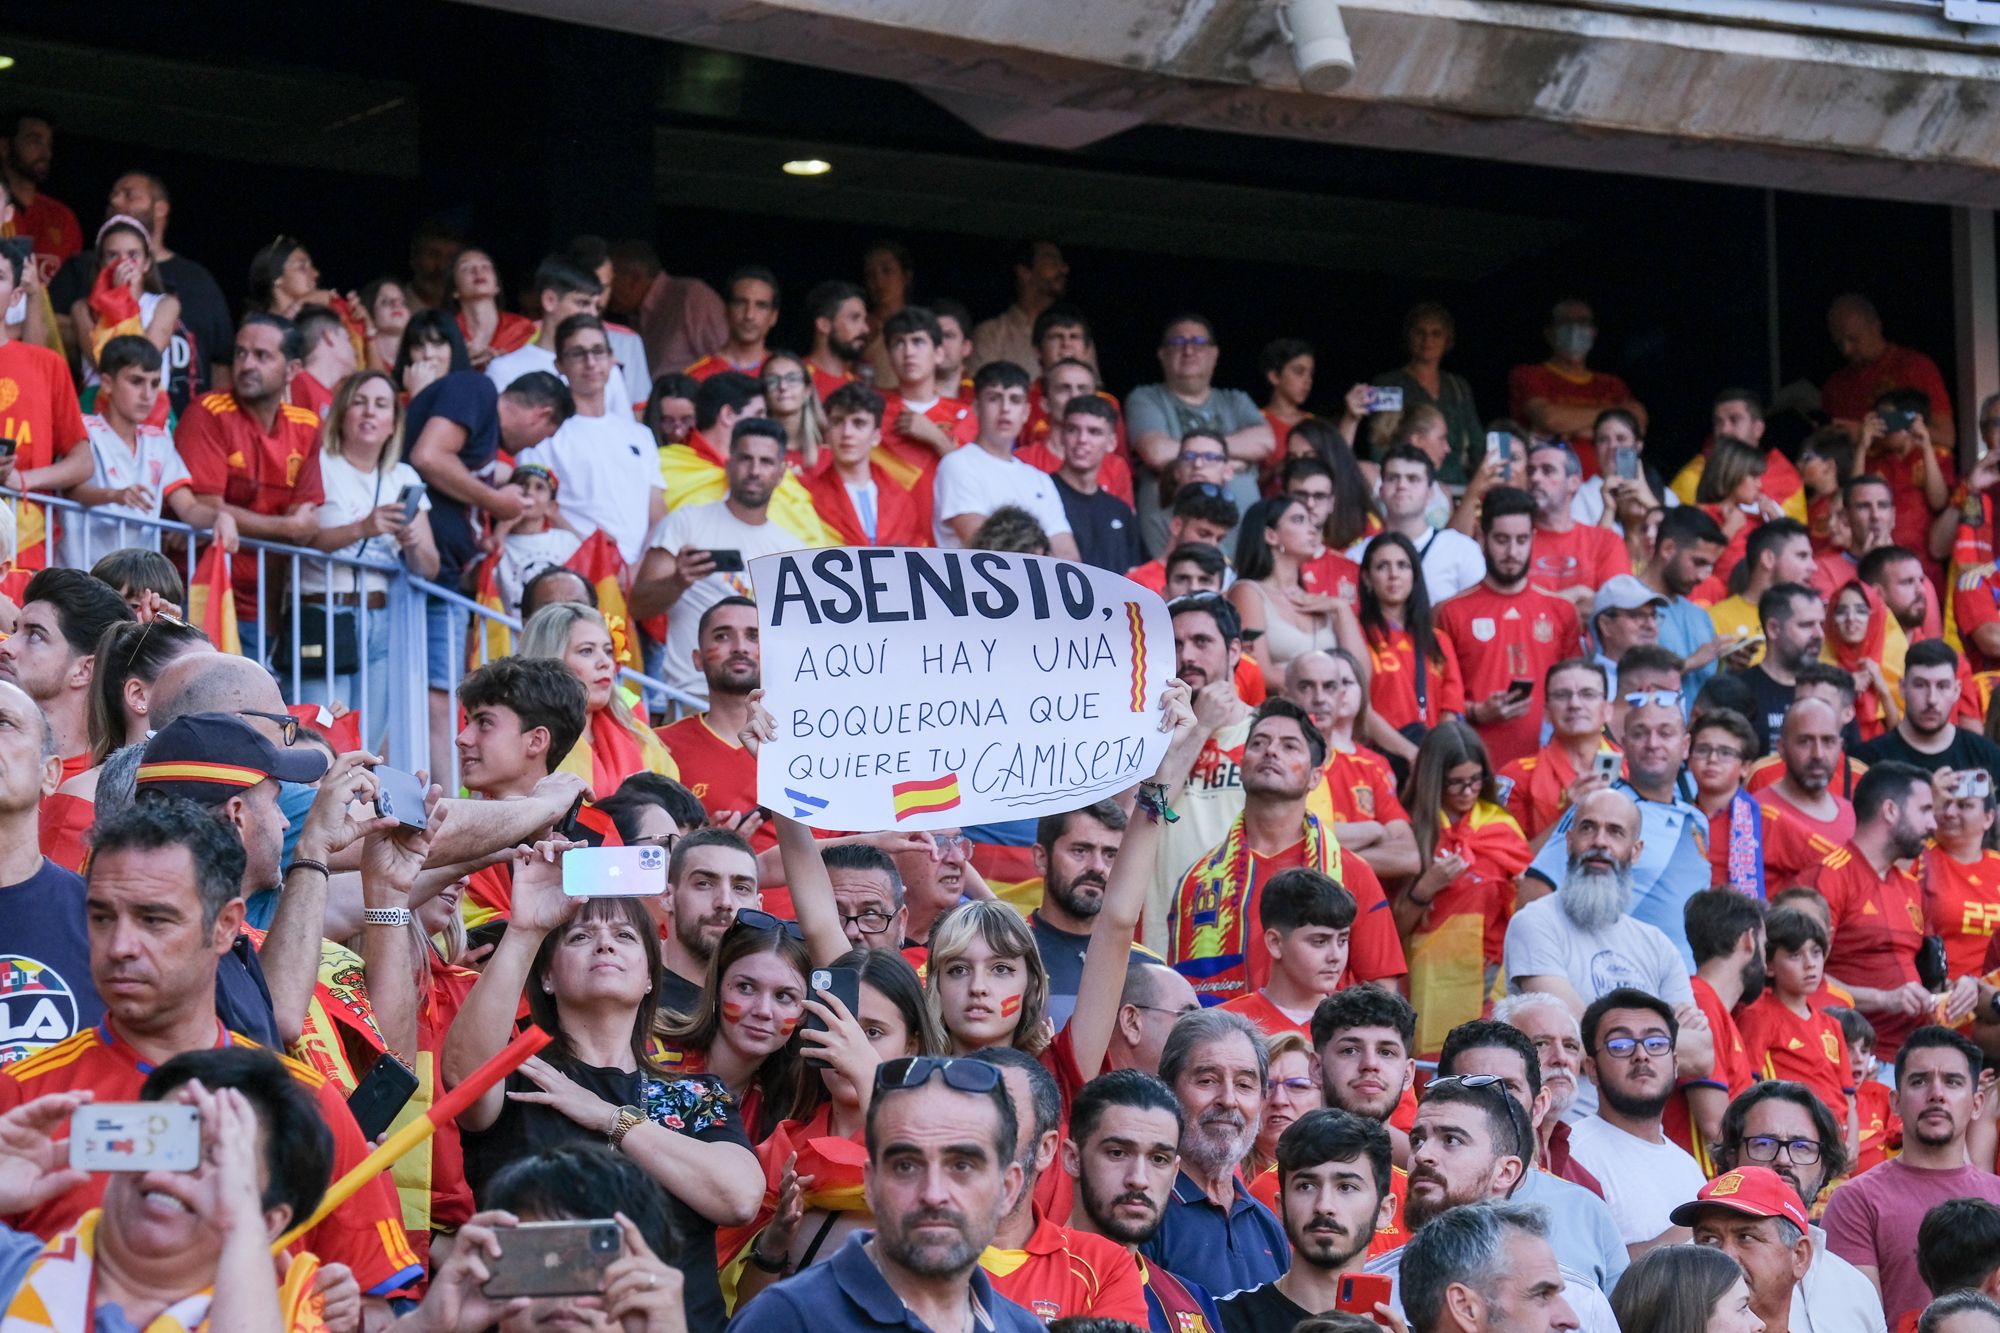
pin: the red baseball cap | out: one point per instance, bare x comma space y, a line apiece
1756, 1191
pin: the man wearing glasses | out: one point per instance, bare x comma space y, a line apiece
941, 1173
1628, 1042
608, 462
1787, 1128
1469, 1145
1158, 417
1669, 857
1540, 787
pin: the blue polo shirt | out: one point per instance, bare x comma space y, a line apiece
1685, 627
848, 1292
1225, 1252
1672, 867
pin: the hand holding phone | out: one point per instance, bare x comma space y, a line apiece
844, 984
1384, 398
1520, 688
1362, 1292
383, 1092
412, 500
553, 1258
1606, 764
614, 872
727, 561
135, 1136
400, 796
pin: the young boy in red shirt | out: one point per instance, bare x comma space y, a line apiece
1783, 1033
1307, 917
1881, 1127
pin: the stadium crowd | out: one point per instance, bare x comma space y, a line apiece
1567, 900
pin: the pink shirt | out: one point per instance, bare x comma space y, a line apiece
1872, 1219
681, 321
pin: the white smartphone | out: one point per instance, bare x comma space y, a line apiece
135, 1136
1607, 764
614, 872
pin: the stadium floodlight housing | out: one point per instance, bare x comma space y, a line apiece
1320, 48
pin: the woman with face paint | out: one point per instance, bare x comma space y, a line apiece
746, 1030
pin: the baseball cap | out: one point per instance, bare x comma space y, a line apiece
541, 470
210, 757
1754, 1191
1625, 593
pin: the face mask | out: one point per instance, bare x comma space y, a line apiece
1574, 340
17, 310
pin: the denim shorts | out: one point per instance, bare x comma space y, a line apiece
445, 637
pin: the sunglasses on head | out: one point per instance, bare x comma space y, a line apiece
751, 918
1492, 1083
960, 1075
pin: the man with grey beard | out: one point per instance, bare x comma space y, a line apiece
1212, 1231
1581, 942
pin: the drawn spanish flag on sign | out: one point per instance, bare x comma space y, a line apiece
924, 798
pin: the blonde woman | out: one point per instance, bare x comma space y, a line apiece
376, 508
615, 743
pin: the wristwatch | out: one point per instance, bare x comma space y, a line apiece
778, 1267
387, 916
628, 1118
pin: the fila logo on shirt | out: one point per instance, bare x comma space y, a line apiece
37, 1007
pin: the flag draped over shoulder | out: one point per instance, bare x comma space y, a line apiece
695, 476
212, 601
1447, 951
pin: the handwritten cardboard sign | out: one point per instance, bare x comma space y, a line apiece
919, 689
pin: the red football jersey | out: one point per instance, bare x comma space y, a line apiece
1540, 792
1878, 926
1504, 637
1333, 575
1963, 905
228, 454
1792, 852
1392, 691
1733, 1070
720, 772
1809, 1050
1584, 557
1362, 788
1063, 1274
365, 1233
715, 363
1269, 1018
1850, 392
1560, 388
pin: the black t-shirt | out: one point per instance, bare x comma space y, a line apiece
1770, 700
1105, 529
1062, 957
1968, 749
694, 1105
46, 994
1262, 1309
677, 994
468, 399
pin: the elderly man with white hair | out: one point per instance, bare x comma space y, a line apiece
1582, 941
1551, 1026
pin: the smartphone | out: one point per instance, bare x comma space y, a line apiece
412, 498
553, 1258
135, 1136
1362, 1292
614, 872
1607, 764
727, 562
381, 1094
489, 934
1626, 459
1975, 783
1383, 398
1748, 641
1500, 443
1896, 419
399, 796
844, 983
1520, 688
7, 448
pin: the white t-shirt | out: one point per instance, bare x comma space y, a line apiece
504, 370
972, 481
1452, 562
151, 461
350, 494
709, 527
607, 468
1543, 942
526, 554
1834, 1297
1643, 1182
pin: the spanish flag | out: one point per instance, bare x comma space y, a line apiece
598, 561
212, 601
924, 798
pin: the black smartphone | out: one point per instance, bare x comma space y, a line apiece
488, 935
553, 1258
399, 796
1520, 688
411, 498
1895, 419
727, 562
383, 1091
7, 448
844, 983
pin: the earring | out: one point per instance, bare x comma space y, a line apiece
548, 988
140, 710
